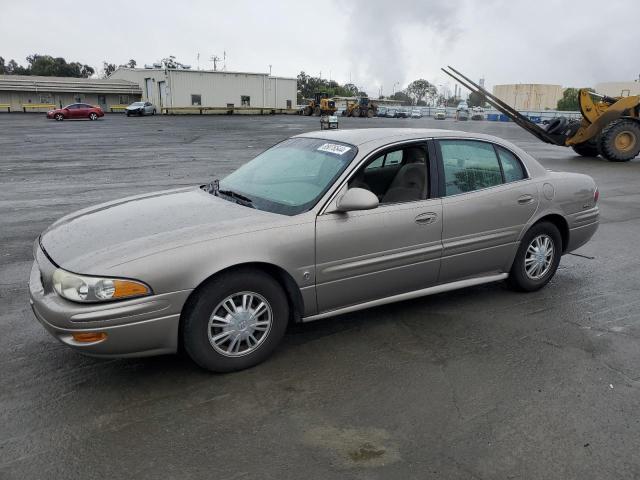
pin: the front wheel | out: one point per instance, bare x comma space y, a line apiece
59, 117
93, 116
537, 258
235, 321
620, 140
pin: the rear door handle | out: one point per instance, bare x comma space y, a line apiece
425, 218
525, 199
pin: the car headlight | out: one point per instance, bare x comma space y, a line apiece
81, 288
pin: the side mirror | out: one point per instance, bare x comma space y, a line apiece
356, 199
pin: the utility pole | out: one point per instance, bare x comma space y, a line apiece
270, 69
215, 59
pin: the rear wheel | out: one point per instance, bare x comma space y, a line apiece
93, 116
316, 112
355, 112
369, 113
235, 321
620, 140
537, 258
586, 149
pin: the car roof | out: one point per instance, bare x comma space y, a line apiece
361, 136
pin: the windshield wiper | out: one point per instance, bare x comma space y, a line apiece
238, 197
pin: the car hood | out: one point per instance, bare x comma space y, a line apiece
134, 107
96, 239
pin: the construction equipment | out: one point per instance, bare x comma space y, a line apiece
610, 126
362, 108
320, 105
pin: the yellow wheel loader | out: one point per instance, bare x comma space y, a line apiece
362, 108
610, 126
320, 105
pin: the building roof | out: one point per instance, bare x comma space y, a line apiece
216, 72
34, 83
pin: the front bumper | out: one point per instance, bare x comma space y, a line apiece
134, 328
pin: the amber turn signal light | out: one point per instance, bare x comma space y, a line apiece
89, 337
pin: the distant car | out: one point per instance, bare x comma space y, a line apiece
416, 113
140, 108
477, 113
76, 110
440, 114
392, 113
382, 111
403, 113
463, 106
319, 225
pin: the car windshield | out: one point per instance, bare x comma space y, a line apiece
290, 177
137, 104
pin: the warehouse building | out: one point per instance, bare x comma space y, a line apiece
529, 96
205, 91
619, 89
25, 93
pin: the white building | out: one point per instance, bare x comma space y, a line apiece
32, 93
529, 96
175, 90
618, 89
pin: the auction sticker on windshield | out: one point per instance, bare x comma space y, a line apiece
333, 148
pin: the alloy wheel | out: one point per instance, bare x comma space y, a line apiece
239, 324
539, 257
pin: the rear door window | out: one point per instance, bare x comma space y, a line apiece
469, 165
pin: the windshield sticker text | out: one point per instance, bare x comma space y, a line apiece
333, 148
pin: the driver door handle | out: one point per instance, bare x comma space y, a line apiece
426, 218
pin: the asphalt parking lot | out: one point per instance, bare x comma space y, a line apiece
481, 383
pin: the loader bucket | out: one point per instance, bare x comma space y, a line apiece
509, 111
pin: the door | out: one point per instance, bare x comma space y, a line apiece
148, 84
162, 91
102, 102
487, 201
392, 249
74, 110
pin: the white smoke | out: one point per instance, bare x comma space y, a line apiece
375, 38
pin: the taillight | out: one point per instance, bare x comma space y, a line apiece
596, 195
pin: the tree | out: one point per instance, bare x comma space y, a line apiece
476, 99
402, 97
569, 100
421, 90
2, 66
108, 69
308, 86
130, 64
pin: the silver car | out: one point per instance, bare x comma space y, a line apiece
140, 108
319, 225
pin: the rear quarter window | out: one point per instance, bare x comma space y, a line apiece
511, 166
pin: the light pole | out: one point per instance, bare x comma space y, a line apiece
394, 88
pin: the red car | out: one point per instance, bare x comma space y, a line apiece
76, 110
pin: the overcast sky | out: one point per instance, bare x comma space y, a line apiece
374, 43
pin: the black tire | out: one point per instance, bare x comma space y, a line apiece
587, 149
557, 125
620, 140
519, 279
59, 117
317, 112
195, 336
93, 116
128, 114
153, 112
